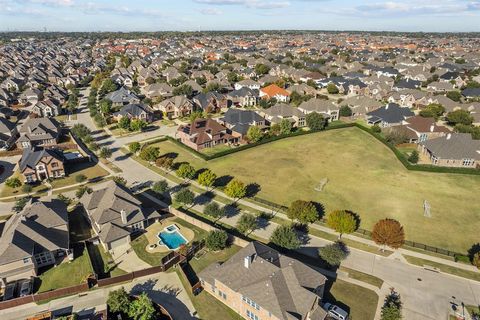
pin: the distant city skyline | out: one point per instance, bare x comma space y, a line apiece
203, 15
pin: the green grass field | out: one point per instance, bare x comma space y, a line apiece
363, 176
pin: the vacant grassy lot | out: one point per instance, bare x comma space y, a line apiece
363, 176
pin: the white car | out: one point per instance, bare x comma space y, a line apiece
335, 312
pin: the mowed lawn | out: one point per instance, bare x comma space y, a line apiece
363, 176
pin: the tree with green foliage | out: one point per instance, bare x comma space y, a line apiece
120, 180
134, 147
459, 117
105, 106
107, 87
212, 86
214, 210
236, 189
118, 301
184, 89
285, 127
150, 153
261, 69
414, 157
286, 237
376, 128
80, 131
195, 115
254, 134
105, 152
137, 125
433, 110
395, 137
454, 95
80, 178
20, 204
342, 221
473, 130
142, 308
334, 253
185, 197
207, 178
124, 123
275, 129
345, 111
216, 240
392, 307
315, 121
26, 188
303, 211
388, 232
82, 190
160, 186
232, 77
246, 223
332, 88
164, 162
64, 199
13, 182
186, 171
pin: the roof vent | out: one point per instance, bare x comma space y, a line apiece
123, 214
449, 136
432, 127
247, 261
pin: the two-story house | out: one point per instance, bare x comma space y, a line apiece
204, 133
37, 165
39, 132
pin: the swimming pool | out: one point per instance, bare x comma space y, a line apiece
171, 237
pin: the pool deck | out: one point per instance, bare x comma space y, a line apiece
154, 229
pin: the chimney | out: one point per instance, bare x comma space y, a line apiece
247, 261
449, 136
432, 127
123, 214
386, 107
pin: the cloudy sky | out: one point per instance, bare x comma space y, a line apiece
184, 15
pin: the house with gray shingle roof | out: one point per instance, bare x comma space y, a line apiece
260, 283
453, 150
282, 111
41, 164
39, 132
114, 214
36, 237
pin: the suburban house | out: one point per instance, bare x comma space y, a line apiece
260, 283
243, 97
39, 132
36, 237
122, 97
247, 83
325, 107
361, 105
8, 134
37, 165
204, 133
211, 102
274, 91
137, 111
389, 115
115, 214
282, 111
47, 108
453, 150
158, 90
418, 129
239, 121
175, 107
471, 93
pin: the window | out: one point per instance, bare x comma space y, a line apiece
250, 302
54, 164
251, 315
222, 295
467, 162
213, 288
26, 260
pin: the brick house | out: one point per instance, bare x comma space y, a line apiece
204, 133
453, 150
274, 91
260, 283
41, 132
39, 165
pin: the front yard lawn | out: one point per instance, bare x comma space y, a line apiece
363, 176
67, 273
87, 169
209, 257
359, 302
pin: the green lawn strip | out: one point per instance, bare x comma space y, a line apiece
207, 306
109, 268
215, 150
110, 165
359, 302
210, 257
86, 169
66, 274
361, 276
444, 268
8, 192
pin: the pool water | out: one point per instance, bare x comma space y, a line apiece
173, 240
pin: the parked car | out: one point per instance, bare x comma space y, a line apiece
335, 312
25, 288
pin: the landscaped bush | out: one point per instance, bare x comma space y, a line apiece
216, 240
80, 178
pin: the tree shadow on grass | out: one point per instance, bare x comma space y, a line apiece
203, 199
231, 210
223, 181
252, 190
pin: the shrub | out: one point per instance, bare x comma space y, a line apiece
413, 158
315, 121
186, 171
214, 210
164, 162
120, 180
185, 196
476, 260
345, 111
105, 152
160, 186
26, 188
285, 236
149, 154
80, 178
134, 147
376, 128
216, 240
118, 300
13, 183
246, 223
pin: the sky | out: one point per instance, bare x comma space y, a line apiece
201, 15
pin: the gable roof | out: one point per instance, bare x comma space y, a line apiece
277, 283
31, 157
454, 146
391, 113
273, 90
41, 226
